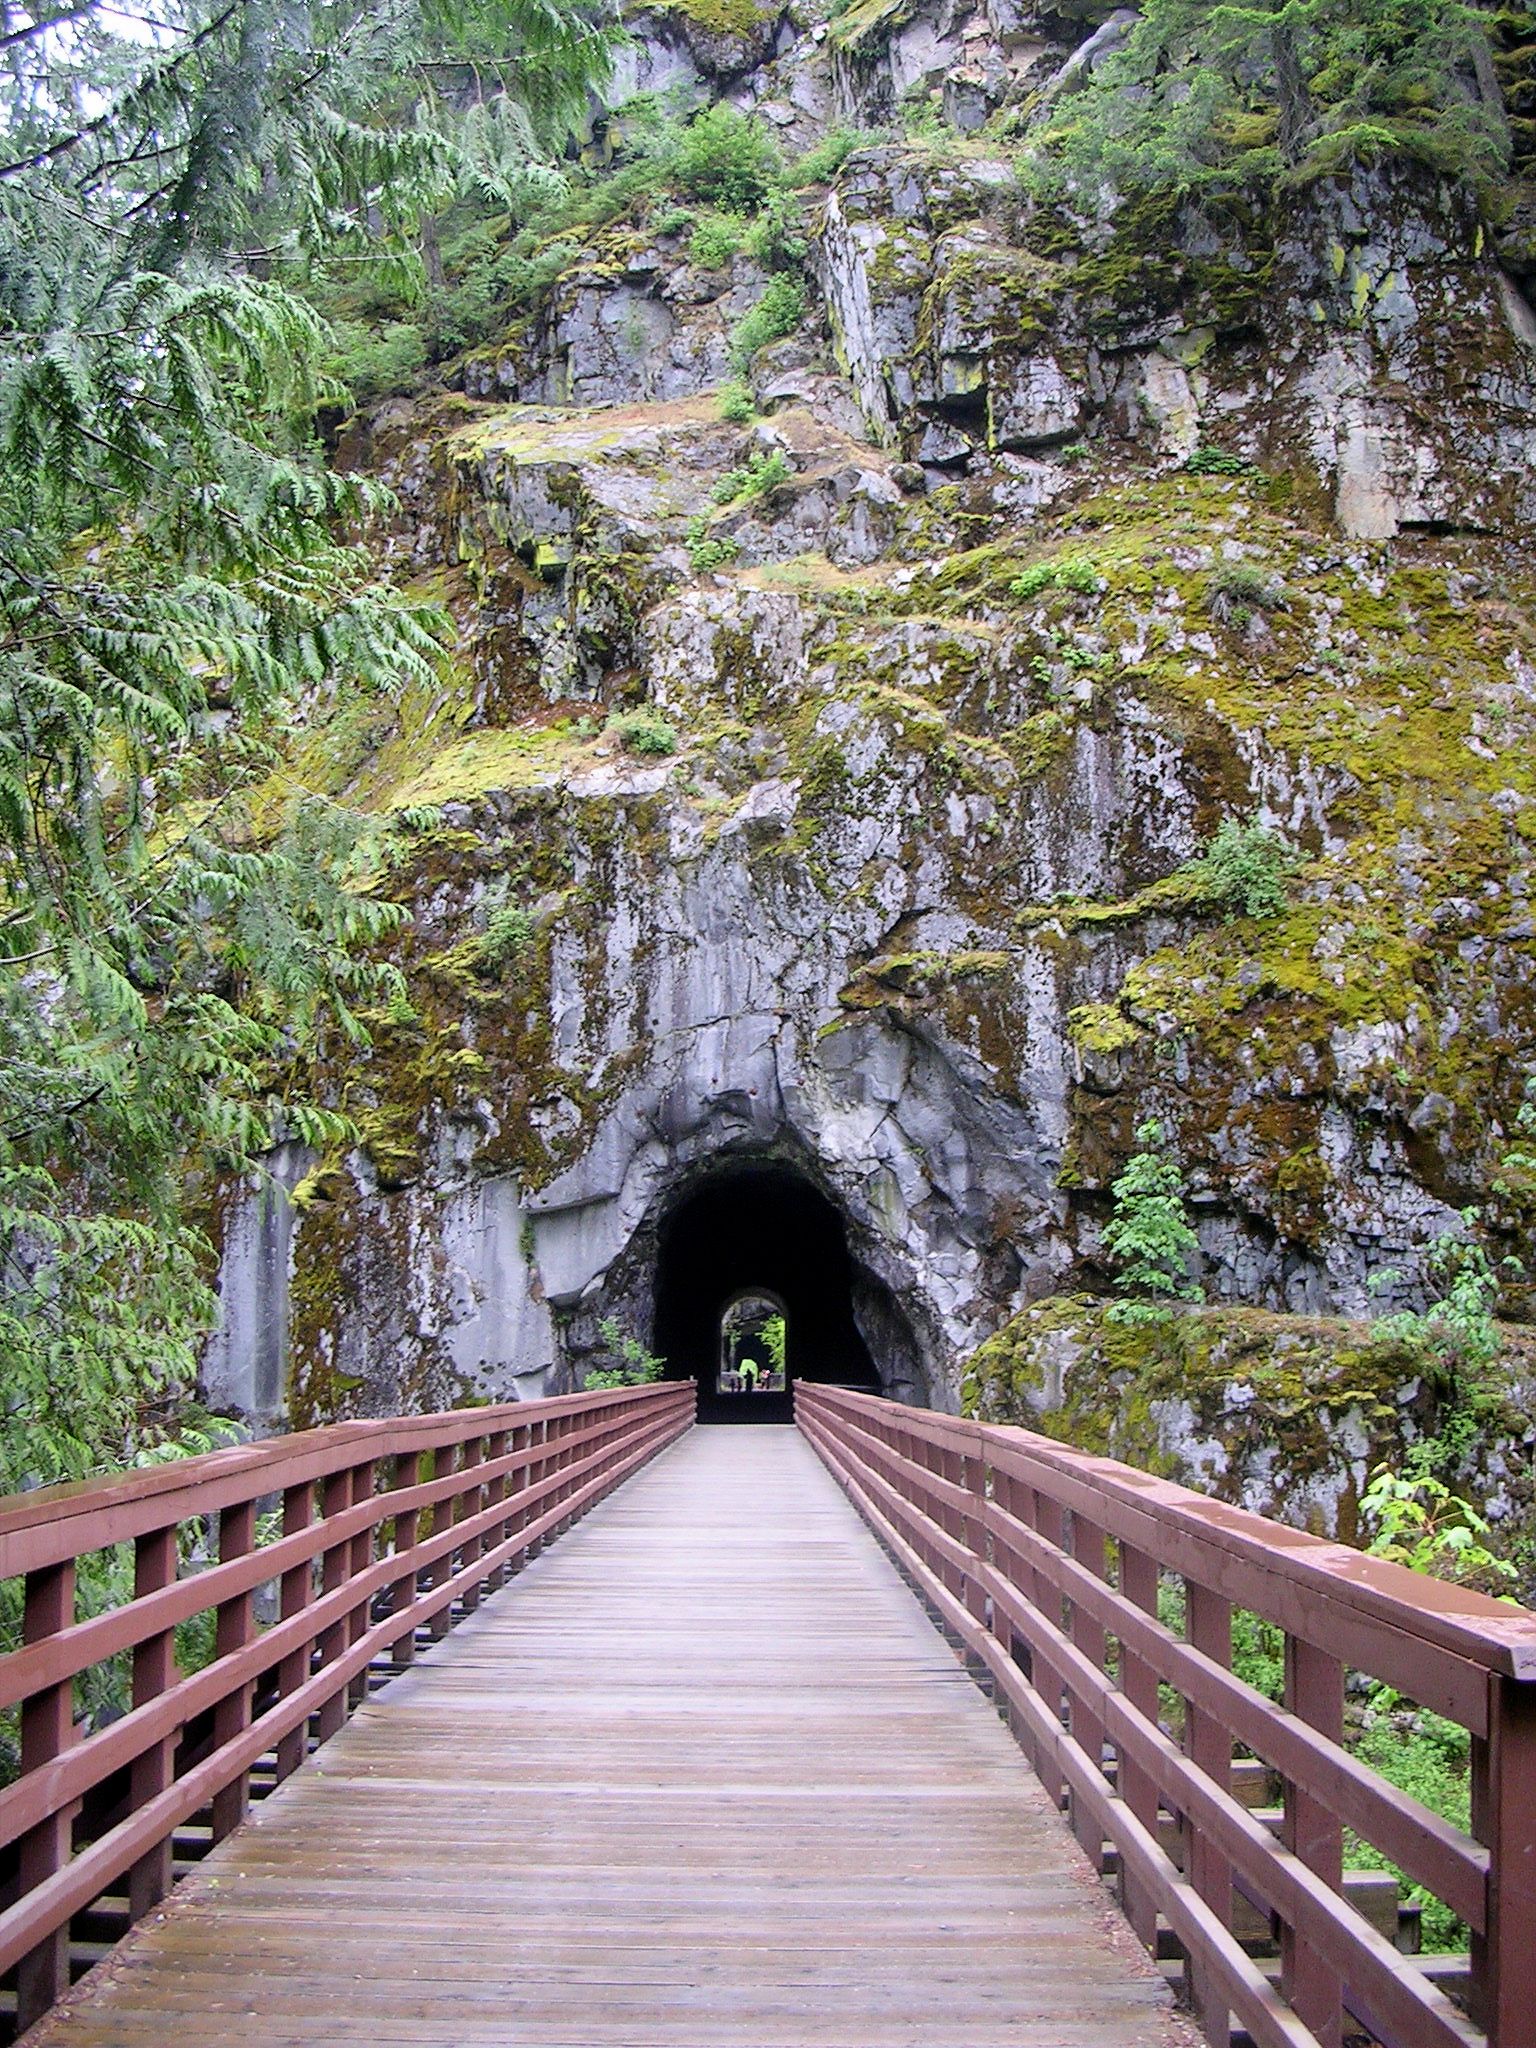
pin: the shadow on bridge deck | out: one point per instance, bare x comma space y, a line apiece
702, 1776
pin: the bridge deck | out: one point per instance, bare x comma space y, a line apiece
702, 1776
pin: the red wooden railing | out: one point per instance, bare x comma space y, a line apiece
1047, 1563
89, 1828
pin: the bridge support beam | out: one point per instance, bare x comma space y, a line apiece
47, 1728
234, 1625
1504, 1817
154, 1672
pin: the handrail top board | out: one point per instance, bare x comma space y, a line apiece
1487, 1632
132, 1503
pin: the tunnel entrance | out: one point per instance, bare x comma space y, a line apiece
754, 1347
749, 1245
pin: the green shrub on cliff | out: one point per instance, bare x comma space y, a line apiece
1072, 572
1149, 1233
371, 360
708, 551
1246, 867
823, 160
1458, 1325
644, 732
715, 240
737, 403
1416, 1520
777, 313
756, 478
634, 1365
507, 938
727, 159
1237, 590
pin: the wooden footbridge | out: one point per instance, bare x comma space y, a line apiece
706, 1776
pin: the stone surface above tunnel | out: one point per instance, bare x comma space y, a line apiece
852, 823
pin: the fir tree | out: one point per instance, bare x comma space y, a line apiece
1218, 98
1149, 1234
174, 578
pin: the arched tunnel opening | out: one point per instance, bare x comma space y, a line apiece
745, 1243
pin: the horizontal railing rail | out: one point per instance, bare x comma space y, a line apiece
330, 1550
1048, 1564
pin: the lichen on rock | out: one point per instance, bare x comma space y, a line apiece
1084, 534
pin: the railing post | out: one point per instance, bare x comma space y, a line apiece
495, 1494
295, 1590
973, 1470
335, 1499
1138, 1681
1208, 1624
1045, 1518
357, 1564
402, 1592
522, 1438
950, 1465
1314, 1691
154, 1672
1504, 1818
1088, 1550
444, 1515
47, 1726
563, 1456
468, 1505
538, 1436
233, 1628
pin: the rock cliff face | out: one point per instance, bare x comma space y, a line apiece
841, 815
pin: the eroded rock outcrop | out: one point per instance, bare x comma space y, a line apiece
823, 787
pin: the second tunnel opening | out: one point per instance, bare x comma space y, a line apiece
747, 1244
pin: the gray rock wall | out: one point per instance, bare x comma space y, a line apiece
884, 904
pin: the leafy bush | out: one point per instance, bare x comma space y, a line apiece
776, 239
1239, 589
715, 240
374, 361
778, 312
1246, 867
635, 1366
822, 162
507, 937
1458, 1326
1076, 572
760, 474
1417, 1521
644, 732
708, 551
726, 158
737, 403
1258, 1653
1217, 462
1149, 1233
493, 281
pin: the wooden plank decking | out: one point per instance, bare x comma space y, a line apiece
703, 1776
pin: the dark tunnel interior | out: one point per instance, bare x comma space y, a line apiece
757, 1228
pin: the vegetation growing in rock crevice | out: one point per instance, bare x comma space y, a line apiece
951, 696
1219, 97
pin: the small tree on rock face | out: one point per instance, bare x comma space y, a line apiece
1216, 98
634, 1365
1150, 1232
